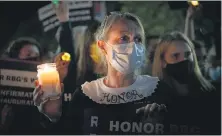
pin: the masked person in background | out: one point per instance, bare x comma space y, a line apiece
151, 43
25, 48
213, 66
22, 119
213, 69
121, 98
176, 64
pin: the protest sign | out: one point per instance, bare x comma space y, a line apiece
17, 82
81, 12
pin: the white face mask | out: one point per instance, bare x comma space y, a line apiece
126, 58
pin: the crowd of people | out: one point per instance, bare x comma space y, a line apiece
121, 77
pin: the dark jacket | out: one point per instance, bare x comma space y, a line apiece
195, 113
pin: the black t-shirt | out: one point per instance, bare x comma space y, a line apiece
186, 114
88, 116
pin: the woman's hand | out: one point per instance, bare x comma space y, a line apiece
62, 66
62, 11
52, 108
152, 112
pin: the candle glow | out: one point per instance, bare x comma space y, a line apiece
48, 77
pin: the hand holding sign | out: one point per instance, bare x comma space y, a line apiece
62, 65
49, 107
62, 10
152, 112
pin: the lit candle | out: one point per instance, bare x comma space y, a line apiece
48, 78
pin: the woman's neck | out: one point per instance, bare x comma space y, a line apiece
118, 80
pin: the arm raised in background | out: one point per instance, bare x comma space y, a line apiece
189, 30
66, 41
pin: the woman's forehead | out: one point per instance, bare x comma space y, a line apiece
125, 26
30, 47
178, 46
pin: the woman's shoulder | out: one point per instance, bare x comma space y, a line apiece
86, 90
162, 85
163, 92
79, 98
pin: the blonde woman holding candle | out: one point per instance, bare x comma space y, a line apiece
122, 102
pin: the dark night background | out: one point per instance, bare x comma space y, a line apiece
13, 12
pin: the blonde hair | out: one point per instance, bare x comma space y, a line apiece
103, 30
164, 42
84, 61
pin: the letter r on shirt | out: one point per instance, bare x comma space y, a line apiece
94, 121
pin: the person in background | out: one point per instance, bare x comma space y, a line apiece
85, 64
22, 119
64, 36
210, 64
121, 40
201, 53
213, 69
150, 43
25, 48
175, 63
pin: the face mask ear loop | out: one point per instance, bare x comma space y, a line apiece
113, 51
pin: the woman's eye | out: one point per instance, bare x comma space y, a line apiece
124, 39
138, 39
176, 55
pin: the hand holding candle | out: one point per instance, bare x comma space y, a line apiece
49, 106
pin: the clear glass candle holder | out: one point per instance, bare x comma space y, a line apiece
48, 78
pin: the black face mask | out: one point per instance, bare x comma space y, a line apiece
181, 71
